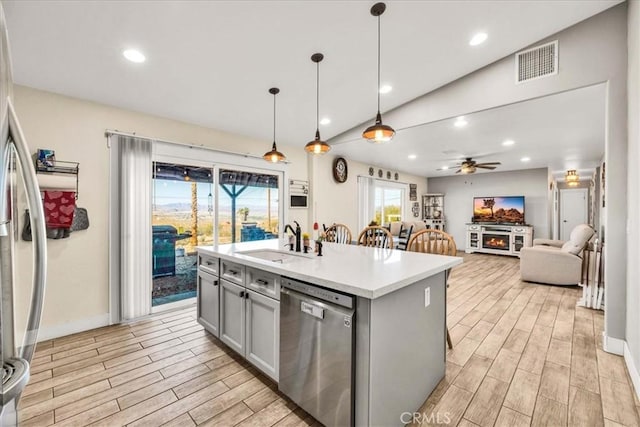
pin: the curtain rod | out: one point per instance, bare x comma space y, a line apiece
110, 132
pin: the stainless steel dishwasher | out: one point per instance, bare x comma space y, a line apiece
317, 339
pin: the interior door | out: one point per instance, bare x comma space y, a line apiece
573, 210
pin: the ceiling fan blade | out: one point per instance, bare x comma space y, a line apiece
459, 170
485, 167
489, 164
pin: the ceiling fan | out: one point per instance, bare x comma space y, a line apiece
469, 166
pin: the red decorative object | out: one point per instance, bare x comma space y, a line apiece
59, 207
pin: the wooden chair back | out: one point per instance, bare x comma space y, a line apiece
338, 233
376, 236
432, 242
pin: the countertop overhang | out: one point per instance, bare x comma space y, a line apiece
362, 271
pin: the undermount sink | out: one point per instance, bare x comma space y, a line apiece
274, 255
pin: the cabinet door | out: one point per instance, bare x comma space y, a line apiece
232, 315
263, 333
208, 302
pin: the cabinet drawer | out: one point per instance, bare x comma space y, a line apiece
263, 282
232, 272
208, 263
208, 302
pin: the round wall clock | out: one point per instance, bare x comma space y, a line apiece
340, 170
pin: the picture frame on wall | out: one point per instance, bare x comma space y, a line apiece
413, 192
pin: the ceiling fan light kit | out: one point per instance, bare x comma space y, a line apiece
469, 166
317, 146
378, 133
274, 156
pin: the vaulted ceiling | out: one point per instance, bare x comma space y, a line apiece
212, 63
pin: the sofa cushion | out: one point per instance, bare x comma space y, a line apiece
578, 239
394, 227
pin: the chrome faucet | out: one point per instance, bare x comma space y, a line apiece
297, 232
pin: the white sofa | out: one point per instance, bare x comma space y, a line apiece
555, 262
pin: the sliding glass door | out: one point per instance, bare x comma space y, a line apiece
182, 219
248, 205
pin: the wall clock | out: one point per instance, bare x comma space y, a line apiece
340, 170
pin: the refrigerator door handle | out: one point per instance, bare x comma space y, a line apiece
38, 231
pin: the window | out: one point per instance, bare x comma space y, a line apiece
380, 201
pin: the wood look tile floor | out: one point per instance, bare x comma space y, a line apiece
523, 355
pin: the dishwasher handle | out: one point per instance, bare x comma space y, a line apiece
311, 306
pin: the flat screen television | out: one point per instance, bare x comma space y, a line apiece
500, 210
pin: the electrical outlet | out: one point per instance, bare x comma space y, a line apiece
427, 297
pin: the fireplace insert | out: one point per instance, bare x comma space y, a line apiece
495, 241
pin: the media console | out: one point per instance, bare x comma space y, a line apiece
497, 238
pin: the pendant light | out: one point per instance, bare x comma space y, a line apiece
572, 178
317, 146
378, 133
274, 156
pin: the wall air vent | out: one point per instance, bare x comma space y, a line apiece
537, 62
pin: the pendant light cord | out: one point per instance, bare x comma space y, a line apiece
274, 118
318, 96
378, 89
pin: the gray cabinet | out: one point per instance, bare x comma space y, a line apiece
262, 333
232, 315
208, 302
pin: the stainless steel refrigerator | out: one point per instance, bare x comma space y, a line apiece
18, 189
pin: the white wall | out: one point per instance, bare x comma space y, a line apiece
77, 294
591, 52
633, 227
459, 192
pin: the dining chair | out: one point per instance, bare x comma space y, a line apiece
403, 237
434, 242
338, 233
375, 236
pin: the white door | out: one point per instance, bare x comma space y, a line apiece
573, 210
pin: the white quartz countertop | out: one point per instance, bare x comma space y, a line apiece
357, 270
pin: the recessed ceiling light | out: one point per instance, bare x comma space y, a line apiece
525, 159
508, 142
478, 38
134, 56
444, 168
412, 156
385, 89
460, 122
325, 121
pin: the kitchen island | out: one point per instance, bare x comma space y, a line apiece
392, 303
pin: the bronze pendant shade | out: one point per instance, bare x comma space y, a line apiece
378, 133
317, 146
274, 155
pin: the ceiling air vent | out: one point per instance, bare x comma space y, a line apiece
537, 62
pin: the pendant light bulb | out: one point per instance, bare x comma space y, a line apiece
378, 133
274, 156
317, 146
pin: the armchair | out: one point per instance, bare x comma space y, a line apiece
555, 262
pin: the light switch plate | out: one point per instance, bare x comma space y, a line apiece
427, 297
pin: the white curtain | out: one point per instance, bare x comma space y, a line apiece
131, 227
366, 199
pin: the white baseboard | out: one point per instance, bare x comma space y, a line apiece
633, 369
63, 329
613, 345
